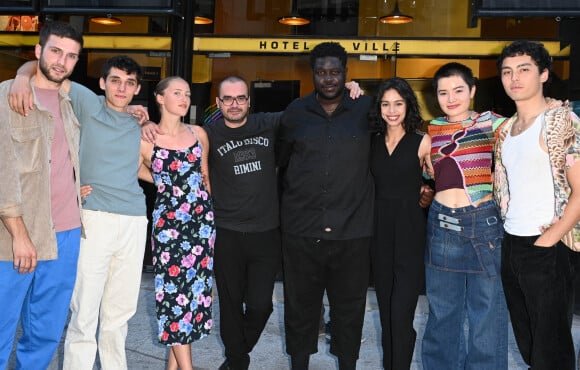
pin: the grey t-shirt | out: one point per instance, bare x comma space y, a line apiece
109, 155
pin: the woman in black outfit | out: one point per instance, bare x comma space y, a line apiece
399, 154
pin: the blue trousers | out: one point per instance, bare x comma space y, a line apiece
463, 283
40, 300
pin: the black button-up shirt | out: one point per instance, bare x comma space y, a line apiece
328, 190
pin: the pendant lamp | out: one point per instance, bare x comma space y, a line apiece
294, 19
109, 20
396, 17
198, 19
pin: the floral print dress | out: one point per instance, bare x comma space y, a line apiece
182, 241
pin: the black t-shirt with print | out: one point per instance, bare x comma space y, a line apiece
242, 171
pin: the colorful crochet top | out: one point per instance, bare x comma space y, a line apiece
469, 144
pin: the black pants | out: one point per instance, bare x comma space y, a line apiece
398, 254
312, 266
245, 267
538, 284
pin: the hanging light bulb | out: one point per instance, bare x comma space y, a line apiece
109, 20
198, 19
294, 19
396, 17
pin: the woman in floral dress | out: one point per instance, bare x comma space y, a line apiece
183, 225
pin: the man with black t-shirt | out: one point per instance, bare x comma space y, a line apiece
244, 189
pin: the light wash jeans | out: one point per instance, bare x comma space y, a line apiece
462, 259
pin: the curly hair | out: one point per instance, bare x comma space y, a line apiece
328, 49
535, 50
413, 119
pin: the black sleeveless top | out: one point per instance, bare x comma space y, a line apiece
397, 175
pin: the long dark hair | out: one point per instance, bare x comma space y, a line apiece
413, 119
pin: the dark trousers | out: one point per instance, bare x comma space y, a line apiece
311, 266
245, 267
398, 264
538, 285
399, 278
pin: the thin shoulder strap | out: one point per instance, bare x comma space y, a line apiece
190, 128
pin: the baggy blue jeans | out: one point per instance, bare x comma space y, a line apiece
41, 301
463, 259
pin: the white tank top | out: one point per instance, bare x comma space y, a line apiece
531, 187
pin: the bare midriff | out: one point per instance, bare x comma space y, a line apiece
452, 198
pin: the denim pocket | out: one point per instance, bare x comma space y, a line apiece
489, 251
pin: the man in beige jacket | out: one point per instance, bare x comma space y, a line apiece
39, 205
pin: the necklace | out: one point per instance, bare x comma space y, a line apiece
521, 127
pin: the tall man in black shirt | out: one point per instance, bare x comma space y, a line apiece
327, 211
244, 189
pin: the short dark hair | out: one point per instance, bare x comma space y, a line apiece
232, 79
454, 69
413, 119
535, 50
60, 29
124, 63
328, 49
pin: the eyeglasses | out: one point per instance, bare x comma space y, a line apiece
229, 100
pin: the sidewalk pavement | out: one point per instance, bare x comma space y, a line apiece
144, 353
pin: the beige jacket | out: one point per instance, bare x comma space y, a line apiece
25, 144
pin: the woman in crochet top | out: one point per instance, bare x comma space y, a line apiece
464, 233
